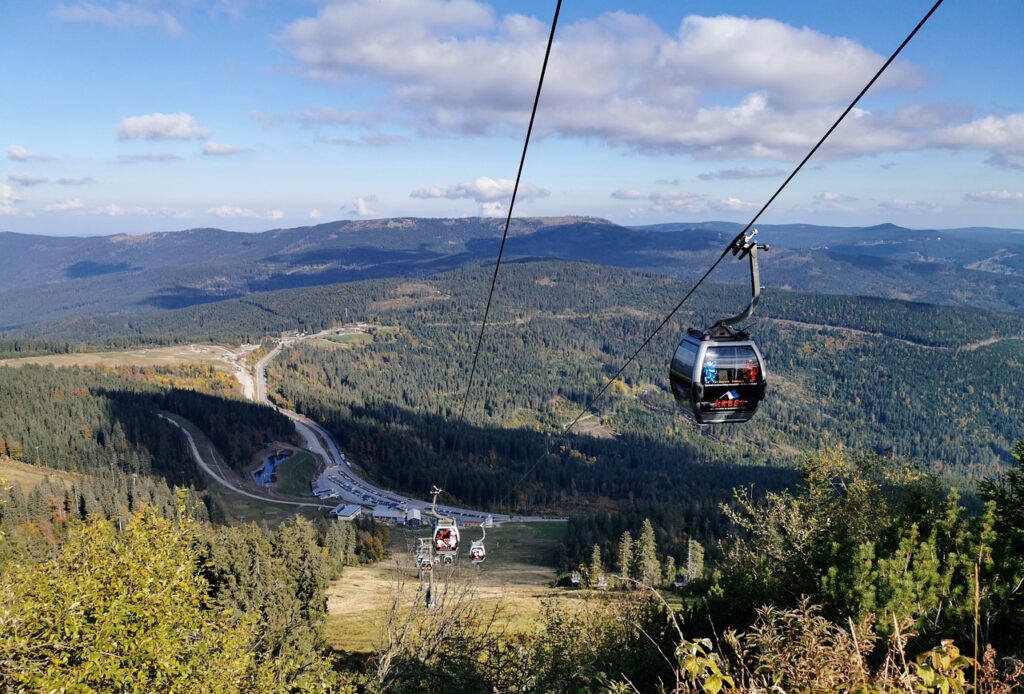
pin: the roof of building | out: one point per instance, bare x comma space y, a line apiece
346, 510
385, 512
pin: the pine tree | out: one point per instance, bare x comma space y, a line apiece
625, 557
596, 565
647, 568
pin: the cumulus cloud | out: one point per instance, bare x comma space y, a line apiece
482, 189
9, 198
76, 181
618, 77
738, 174
718, 87
19, 153
243, 212
219, 149
162, 126
360, 206
123, 15
25, 180
315, 214
69, 205
1002, 197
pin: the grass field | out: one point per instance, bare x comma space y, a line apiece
295, 474
353, 339
516, 579
156, 356
29, 476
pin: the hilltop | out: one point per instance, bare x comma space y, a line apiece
50, 278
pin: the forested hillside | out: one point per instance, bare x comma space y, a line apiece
124, 277
88, 420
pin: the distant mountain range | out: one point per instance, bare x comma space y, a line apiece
47, 278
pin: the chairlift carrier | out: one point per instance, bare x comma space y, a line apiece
477, 551
446, 532
718, 374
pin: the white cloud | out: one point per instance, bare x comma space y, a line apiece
360, 206
1002, 136
1003, 197
741, 173
9, 198
481, 189
111, 210
25, 180
243, 212
618, 77
72, 181
162, 126
19, 153
718, 87
69, 205
219, 149
732, 204
493, 209
315, 214
910, 206
123, 15
146, 156
662, 201
834, 202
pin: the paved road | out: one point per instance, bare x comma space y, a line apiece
340, 482
212, 472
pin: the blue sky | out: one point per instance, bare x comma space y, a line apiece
142, 115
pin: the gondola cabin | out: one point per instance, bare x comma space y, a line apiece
718, 376
446, 538
477, 552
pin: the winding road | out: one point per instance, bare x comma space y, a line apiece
212, 472
339, 479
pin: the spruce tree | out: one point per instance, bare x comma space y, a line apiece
596, 565
647, 568
625, 557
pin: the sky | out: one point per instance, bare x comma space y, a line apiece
146, 115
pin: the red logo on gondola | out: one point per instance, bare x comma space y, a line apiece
751, 372
729, 401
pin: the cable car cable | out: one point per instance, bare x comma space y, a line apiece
504, 235
757, 216
508, 218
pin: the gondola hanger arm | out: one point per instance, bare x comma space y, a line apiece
745, 245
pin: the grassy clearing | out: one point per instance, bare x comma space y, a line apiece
516, 579
295, 474
351, 339
156, 356
27, 476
